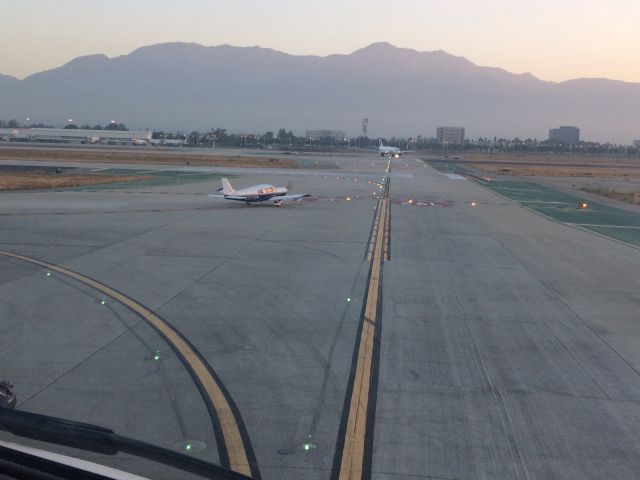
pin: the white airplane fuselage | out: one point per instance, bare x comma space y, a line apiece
260, 193
387, 151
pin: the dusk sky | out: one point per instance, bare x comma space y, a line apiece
554, 40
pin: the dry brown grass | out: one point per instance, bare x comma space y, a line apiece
625, 196
142, 157
557, 171
45, 180
549, 158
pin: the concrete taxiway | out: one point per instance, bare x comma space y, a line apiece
408, 335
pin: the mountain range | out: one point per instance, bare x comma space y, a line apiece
403, 92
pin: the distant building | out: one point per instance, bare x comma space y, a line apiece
450, 135
636, 143
564, 135
75, 135
335, 135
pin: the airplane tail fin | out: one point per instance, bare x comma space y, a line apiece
380, 142
227, 189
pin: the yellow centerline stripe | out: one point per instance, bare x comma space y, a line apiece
233, 439
374, 232
351, 466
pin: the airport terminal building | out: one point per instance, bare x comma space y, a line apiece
74, 135
335, 135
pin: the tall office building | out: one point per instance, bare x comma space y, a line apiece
564, 135
450, 135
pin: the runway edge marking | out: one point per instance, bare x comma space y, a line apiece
354, 446
234, 448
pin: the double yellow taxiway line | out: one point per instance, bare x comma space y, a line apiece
354, 449
234, 443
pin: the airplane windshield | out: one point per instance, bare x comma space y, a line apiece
340, 240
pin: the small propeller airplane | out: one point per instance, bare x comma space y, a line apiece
260, 193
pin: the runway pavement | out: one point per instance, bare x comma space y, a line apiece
374, 337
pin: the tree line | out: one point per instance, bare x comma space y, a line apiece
113, 125
287, 139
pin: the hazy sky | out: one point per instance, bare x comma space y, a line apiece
554, 40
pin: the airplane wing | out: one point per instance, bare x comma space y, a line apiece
291, 198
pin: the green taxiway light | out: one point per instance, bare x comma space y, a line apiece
189, 446
348, 299
156, 356
48, 274
308, 445
103, 302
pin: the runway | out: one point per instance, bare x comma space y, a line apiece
433, 330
